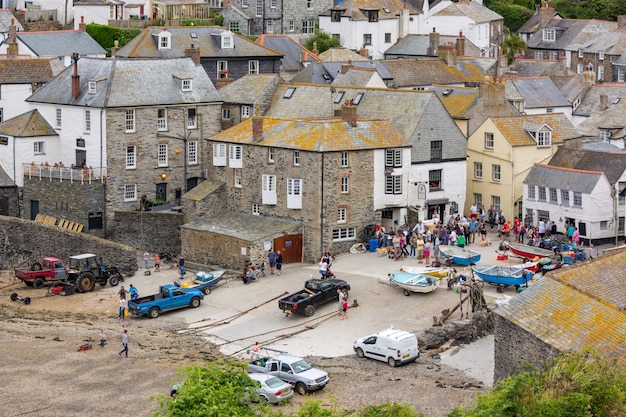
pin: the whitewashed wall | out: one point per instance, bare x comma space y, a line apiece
13, 99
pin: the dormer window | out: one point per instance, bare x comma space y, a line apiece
165, 40
186, 85
549, 35
92, 87
372, 15
335, 15
542, 135
228, 41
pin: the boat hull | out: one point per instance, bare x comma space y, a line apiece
503, 275
530, 252
461, 256
423, 270
414, 282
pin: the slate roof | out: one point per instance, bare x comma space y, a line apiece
567, 178
613, 120
429, 71
341, 55
249, 88
612, 164
5, 21
29, 124
539, 67
417, 45
457, 100
387, 9
29, 70
354, 77
472, 9
577, 307
60, 43
536, 91
202, 190
317, 135
533, 22
130, 83
590, 103
207, 39
290, 48
94, 2
512, 128
571, 86
5, 179
325, 72
572, 35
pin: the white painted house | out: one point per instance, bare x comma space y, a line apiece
101, 11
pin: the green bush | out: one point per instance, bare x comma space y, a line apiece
107, 35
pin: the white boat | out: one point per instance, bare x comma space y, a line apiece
414, 282
426, 270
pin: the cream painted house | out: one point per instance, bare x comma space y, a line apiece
502, 151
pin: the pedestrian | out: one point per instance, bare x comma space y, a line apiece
342, 297
279, 262
473, 228
183, 272
133, 292
329, 257
344, 309
323, 265
124, 343
146, 259
122, 293
271, 258
122, 312
157, 262
576, 236
181, 262
427, 250
103, 338
483, 231
460, 240
419, 244
397, 247
255, 351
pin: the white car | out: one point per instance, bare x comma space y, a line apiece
270, 389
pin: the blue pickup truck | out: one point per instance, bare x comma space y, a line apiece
170, 297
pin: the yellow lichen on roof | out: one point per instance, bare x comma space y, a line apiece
512, 128
458, 104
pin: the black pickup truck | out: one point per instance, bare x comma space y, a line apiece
315, 293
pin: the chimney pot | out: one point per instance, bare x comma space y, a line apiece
82, 27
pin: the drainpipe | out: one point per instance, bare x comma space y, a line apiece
104, 184
322, 207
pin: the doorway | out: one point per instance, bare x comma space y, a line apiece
161, 191
290, 246
81, 158
34, 209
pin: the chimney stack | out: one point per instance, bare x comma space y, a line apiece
563, 59
512, 74
493, 94
315, 50
621, 21
346, 67
12, 49
257, 126
433, 44
546, 13
193, 53
75, 77
460, 45
448, 54
348, 113
82, 27
604, 101
364, 52
116, 47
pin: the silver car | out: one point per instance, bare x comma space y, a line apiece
270, 389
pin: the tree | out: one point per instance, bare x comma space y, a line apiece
512, 45
323, 40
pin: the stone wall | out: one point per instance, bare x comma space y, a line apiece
462, 331
9, 200
514, 346
24, 241
156, 232
203, 247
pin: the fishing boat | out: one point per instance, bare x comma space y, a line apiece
528, 252
414, 282
461, 256
425, 270
203, 281
503, 275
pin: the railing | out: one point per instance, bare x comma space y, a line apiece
72, 174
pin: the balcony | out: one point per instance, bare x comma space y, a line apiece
71, 174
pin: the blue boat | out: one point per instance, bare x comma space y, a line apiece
414, 282
461, 256
503, 275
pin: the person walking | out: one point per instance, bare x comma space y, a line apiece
146, 259
344, 309
122, 292
122, 308
124, 343
133, 292
342, 298
279, 262
255, 351
271, 258
157, 263
181, 266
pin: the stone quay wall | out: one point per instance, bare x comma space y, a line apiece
154, 231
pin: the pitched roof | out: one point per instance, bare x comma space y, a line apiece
472, 9
577, 307
566, 178
513, 128
130, 82
612, 120
354, 77
5, 21
538, 67
292, 50
317, 135
29, 70
341, 55
60, 43
325, 72
28, 124
537, 92
612, 165
417, 45
571, 86
206, 38
615, 92
5, 179
356, 9
249, 88
457, 100
572, 35
429, 71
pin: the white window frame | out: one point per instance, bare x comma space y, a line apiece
129, 120
164, 41
554, 196
244, 4
268, 189
192, 152
59, 118
542, 196
344, 234
256, 209
294, 193
549, 35
578, 199
237, 178
130, 192
601, 55
342, 215
222, 69
579, 69
531, 192
435, 175
296, 158
490, 140
227, 40
393, 158
600, 72
581, 53
245, 112
192, 118
161, 120
225, 114
39, 148
269, 26
162, 155
292, 26
496, 172
253, 66
345, 159
565, 197
186, 85
495, 202
219, 154
259, 8
131, 157
478, 170
393, 184
273, 3
235, 156
87, 121
345, 185
92, 87
544, 139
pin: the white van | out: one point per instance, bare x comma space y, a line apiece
396, 347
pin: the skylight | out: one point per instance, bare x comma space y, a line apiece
289, 92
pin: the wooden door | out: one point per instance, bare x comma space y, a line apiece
290, 246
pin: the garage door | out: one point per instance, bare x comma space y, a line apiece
290, 246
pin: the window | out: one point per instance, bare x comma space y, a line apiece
367, 39
235, 156
186, 85
269, 26
130, 192
338, 97
489, 141
131, 157
273, 3
581, 54
294, 193
342, 215
244, 3
162, 155
554, 198
579, 69
544, 138
347, 233
238, 181
192, 152
1, 114
191, 118
538, 55
600, 72
543, 214
289, 92
256, 209
87, 121
129, 120
393, 157
542, 194
292, 26
38, 148
345, 161
495, 201
345, 185
268, 193
58, 113
308, 26
393, 184
309, 4
531, 192
253, 66
436, 149
164, 42
601, 55
495, 172
296, 158
335, 15
228, 40
358, 98
434, 180
161, 119
222, 69
226, 114
554, 55
578, 199
259, 7
270, 155
92, 87
565, 197
219, 154
549, 35
245, 112
233, 26
478, 198
604, 225
372, 15
387, 37
621, 75
549, 110
478, 170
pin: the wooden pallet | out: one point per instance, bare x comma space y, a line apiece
65, 224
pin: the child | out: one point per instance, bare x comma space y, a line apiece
344, 309
103, 338
427, 251
134, 294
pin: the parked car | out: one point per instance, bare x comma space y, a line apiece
271, 389
169, 297
396, 347
291, 369
316, 292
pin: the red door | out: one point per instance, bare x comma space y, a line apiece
290, 246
